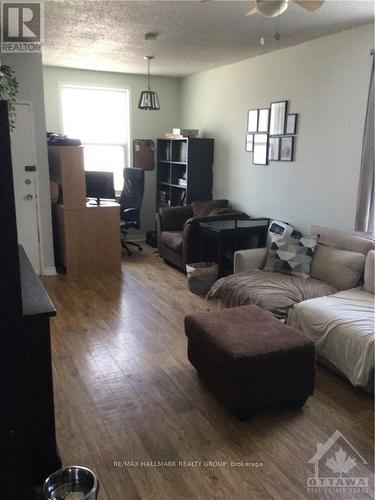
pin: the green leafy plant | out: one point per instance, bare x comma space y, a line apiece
9, 92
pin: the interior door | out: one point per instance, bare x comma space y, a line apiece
25, 187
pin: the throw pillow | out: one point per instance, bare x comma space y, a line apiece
203, 208
340, 268
291, 255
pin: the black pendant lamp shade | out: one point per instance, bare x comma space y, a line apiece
149, 100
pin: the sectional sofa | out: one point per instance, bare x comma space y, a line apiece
342, 327
331, 307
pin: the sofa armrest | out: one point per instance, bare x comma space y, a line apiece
249, 260
174, 218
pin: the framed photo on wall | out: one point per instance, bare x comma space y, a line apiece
260, 155
252, 121
278, 117
263, 120
249, 143
274, 149
291, 124
286, 148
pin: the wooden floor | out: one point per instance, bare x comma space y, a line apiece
125, 392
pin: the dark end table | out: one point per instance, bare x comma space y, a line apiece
235, 231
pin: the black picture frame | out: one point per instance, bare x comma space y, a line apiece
278, 114
249, 143
287, 148
274, 149
291, 124
252, 121
263, 120
260, 154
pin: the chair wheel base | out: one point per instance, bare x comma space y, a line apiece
125, 245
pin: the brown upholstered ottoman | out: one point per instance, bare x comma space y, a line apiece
250, 359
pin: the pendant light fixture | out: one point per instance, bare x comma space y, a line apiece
149, 100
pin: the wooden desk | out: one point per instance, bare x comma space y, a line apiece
86, 236
88, 239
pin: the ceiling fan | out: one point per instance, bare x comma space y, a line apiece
274, 8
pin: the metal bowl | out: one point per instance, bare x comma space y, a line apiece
71, 483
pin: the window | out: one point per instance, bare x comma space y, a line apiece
100, 119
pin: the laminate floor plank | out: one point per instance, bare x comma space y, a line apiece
128, 402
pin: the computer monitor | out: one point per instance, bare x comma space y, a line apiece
100, 185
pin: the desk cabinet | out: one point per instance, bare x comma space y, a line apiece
88, 239
66, 169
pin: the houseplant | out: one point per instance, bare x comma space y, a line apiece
9, 92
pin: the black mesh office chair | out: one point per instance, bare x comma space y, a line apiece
131, 202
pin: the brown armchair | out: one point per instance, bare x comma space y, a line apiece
178, 229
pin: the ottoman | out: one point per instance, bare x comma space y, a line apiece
250, 359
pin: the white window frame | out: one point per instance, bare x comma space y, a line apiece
128, 139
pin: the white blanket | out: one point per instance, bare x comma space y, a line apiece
342, 326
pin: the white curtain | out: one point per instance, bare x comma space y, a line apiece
365, 203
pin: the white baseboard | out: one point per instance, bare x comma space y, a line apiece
49, 271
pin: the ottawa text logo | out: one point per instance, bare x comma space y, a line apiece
338, 467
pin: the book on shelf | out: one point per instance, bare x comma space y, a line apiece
167, 154
183, 152
182, 200
162, 196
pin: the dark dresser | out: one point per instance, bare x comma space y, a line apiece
28, 452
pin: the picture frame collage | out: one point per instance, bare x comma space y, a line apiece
271, 133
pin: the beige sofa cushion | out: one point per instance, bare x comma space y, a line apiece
274, 292
340, 268
369, 284
352, 242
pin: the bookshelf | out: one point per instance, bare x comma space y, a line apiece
184, 171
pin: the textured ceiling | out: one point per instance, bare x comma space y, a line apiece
194, 35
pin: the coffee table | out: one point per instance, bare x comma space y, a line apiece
237, 232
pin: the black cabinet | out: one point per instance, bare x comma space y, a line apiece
28, 452
184, 171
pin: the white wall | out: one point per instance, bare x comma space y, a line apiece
28, 71
144, 124
326, 82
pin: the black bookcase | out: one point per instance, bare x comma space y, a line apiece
184, 171
28, 452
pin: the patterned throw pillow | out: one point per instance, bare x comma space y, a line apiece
291, 255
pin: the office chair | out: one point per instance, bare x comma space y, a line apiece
130, 204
